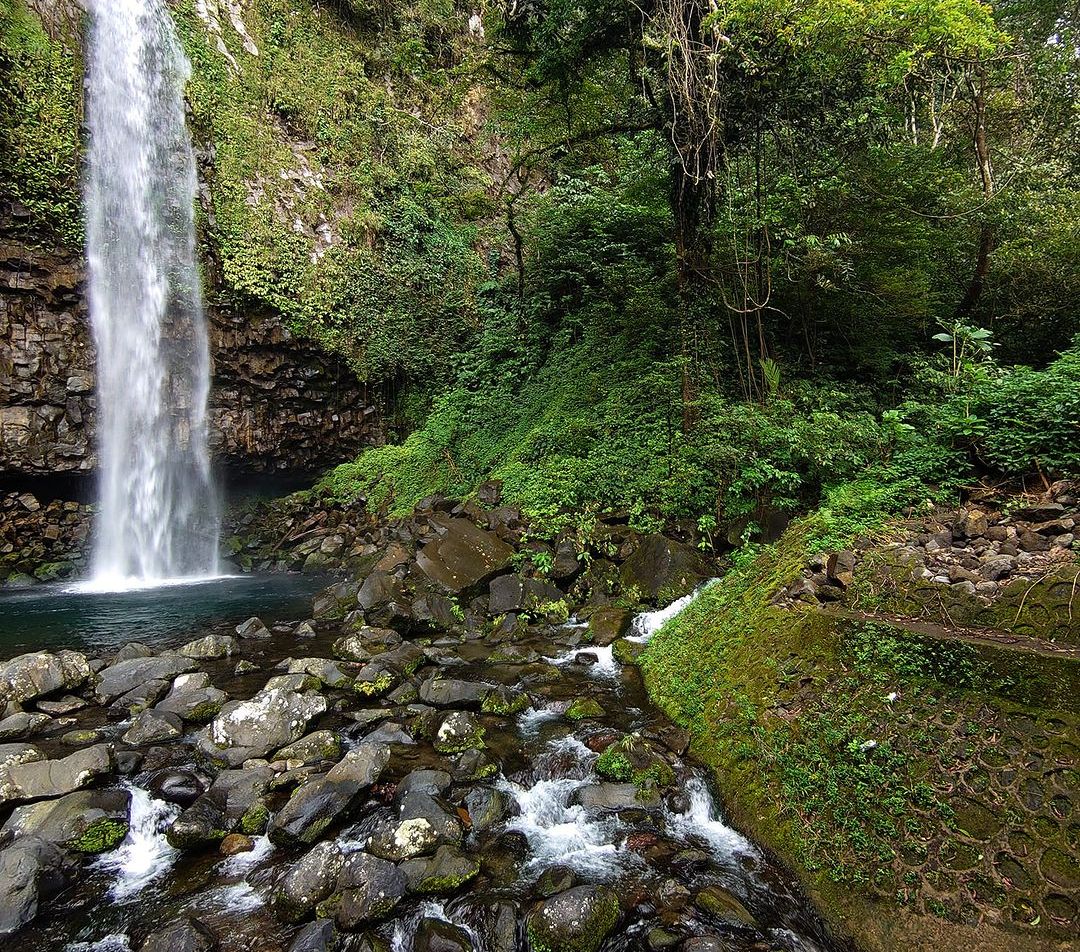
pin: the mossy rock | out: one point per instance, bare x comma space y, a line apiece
102, 835
584, 708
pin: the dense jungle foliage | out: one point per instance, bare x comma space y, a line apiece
696, 261
767, 254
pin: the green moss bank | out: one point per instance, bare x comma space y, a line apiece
921, 804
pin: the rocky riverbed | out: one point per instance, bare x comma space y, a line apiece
449, 753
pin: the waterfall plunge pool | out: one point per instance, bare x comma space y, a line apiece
66, 616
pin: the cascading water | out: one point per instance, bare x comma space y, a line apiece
158, 514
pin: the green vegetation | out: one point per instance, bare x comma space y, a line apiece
40, 112
102, 835
869, 756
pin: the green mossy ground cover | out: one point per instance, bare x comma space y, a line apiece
896, 773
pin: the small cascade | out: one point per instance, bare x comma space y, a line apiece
560, 833
647, 624
604, 666
145, 854
701, 821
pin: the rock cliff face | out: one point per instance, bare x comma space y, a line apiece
278, 403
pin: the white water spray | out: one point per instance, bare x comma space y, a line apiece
145, 853
158, 513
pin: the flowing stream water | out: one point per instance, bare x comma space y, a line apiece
158, 518
655, 855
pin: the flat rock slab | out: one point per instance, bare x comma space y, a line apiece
53, 778
125, 676
464, 556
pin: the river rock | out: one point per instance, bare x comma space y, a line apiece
608, 624
438, 935
12, 755
31, 868
22, 724
37, 673
439, 875
370, 888
458, 731
577, 920
312, 748
253, 630
212, 646
317, 936
613, 797
463, 556
318, 803
486, 807
139, 699
186, 934
152, 727
271, 719
124, 676
180, 786
722, 905
193, 698
325, 670
234, 800
448, 692
422, 826
308, 882
662, 567
87, 821
54, 778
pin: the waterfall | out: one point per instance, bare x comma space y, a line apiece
158, 514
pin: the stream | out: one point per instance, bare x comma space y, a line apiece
559, 825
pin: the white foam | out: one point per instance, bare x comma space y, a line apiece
119, 584
145, 854
405, 929
647, 624
117, 942
531, 718
604, 666
702, 820
237, 898
240, 862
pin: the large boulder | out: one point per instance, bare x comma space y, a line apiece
370, 888
53, 778
318, 803
309, 881
87, 821
153, 727
438, 935
271, 719
577, 920
463, 556
234, 801
423, 825
449, 692
193, 698
31, 868
32, 675
661, 569
124, 676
